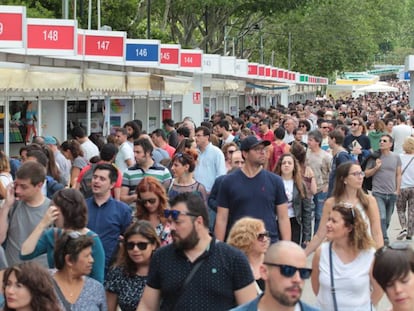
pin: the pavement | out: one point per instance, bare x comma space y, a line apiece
309, 297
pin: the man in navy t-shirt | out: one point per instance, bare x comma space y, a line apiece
255, 192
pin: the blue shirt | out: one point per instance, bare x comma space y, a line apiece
210, 165
108, 221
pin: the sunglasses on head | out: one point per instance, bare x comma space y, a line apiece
263, 236
174, 214
289, 271
142, 246
145, 201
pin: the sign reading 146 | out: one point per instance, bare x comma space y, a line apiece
142, 52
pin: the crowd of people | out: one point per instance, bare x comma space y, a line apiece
216, 216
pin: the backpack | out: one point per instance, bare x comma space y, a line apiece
86, 182
278, 150
367, 184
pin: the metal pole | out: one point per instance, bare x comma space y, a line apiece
89, 14
289, 50
74, 10
225, 40
242, 46
99, 14
261, 50
148, 19
273, 58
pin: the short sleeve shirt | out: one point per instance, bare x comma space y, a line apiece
224, 270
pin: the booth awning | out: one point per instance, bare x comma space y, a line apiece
12, 75
137, 81
103, 80
51, 79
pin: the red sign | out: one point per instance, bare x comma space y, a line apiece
280, 73
196, 98
52, 37
11, 26
96, 45
268, 72
261, 70
80, 43
274, 73
169, 56
252, 69
190, 60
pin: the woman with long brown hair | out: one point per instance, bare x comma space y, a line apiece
299, 205
152, 200
348, 189
72, 151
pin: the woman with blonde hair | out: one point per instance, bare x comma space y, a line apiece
5, 175
341, 268
405, 200
250, 236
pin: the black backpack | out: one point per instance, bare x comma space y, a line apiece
367, 184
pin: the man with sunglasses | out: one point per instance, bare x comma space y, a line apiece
196, 272
357, 142
284, 272
386, 181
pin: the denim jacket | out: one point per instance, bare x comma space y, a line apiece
253, 305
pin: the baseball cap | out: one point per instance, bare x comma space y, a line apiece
252, 141
50, 140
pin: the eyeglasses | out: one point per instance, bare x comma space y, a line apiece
174, 214
145, 201
142, 246
354, 124
396, 246
231, 151
358, 174
289, 271
263, 236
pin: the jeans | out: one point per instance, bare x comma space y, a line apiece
318, 200
386, 203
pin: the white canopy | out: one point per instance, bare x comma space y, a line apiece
378, 88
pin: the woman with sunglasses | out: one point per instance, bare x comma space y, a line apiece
68, 212
348, 188
29, 287
126, 280
299, 205
341, 277
73, 261
394, 271
152, 201
250, 236
183, 165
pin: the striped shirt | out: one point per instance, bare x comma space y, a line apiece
133, 175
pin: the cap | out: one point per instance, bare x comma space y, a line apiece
252, 141
50, 140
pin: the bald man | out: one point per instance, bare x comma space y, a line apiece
284, 272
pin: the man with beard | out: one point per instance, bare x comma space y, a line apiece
284, 272
196, 272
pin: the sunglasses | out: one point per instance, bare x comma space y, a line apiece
142, 246
289, 271
174, 214
145, 201
263, 236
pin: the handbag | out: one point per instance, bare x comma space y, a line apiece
412, 158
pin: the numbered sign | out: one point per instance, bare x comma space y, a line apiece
242, 67
274, 72
228, 65
191, 59
211, 63
12, 26
142, 52
261, 70
51, 36
103, 45
170, 55
253, 69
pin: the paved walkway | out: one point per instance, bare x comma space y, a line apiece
308, 295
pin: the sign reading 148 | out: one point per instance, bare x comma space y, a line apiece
51, 35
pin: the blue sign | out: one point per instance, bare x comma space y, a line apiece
142, 52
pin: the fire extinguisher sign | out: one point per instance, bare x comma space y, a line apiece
196, 98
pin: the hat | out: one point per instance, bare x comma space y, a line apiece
50, 140
252, 141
